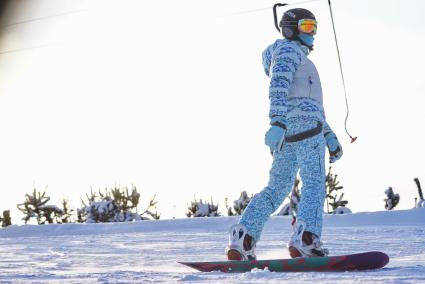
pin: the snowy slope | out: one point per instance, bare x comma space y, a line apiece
148, 251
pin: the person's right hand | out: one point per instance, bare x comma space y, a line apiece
275, 136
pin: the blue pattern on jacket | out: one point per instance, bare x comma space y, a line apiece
281, 60
283, 57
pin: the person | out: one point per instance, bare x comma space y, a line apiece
297, 138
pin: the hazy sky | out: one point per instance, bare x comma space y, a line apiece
170, 96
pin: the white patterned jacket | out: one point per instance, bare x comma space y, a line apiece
295, 90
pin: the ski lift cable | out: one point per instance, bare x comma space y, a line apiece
42, 18
265, 8
27, 48
342, 76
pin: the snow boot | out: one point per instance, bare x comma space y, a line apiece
305, 244
241, 244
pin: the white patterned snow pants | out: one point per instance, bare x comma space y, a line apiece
307, 156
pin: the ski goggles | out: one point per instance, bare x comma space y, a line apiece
307, 26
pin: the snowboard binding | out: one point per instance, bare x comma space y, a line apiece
305, 244
241, 244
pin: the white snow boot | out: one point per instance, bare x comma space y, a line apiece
305, 244
241, 245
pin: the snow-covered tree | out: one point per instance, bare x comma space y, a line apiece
332, 199
102, 211
67, 212
202, 209
239, 204
5, 220
114, 205
392, 199
35, 206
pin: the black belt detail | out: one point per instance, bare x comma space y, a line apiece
306, 134
280, 124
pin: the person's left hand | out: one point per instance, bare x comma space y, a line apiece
334, 147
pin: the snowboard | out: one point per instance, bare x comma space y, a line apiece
359, 261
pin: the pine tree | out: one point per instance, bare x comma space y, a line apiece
332, 186
35, 206
148, 211
67, 212
5, 219
81, 213
239, 205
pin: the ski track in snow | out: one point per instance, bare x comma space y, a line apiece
148, 251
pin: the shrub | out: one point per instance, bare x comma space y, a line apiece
5, 219
239, 205
114, 205
392, 199
201, 209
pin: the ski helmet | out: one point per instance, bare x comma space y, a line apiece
289, 22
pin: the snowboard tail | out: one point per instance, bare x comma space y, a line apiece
359, 261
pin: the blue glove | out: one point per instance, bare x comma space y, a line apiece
334, 147
275, 136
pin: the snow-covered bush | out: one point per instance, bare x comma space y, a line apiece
202, 209
101, 211
114, 205
392, 199
35, 207
5, 220
239, 205
342, 210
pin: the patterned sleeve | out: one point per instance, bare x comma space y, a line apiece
285, 61
267, 61
326, 128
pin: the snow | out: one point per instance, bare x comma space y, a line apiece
342, 210
203, 209
148, 251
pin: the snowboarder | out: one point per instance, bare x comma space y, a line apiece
297, 138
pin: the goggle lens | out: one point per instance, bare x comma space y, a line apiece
308, 26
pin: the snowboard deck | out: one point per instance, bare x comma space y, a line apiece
359, 261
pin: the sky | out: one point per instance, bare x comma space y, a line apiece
170, 96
